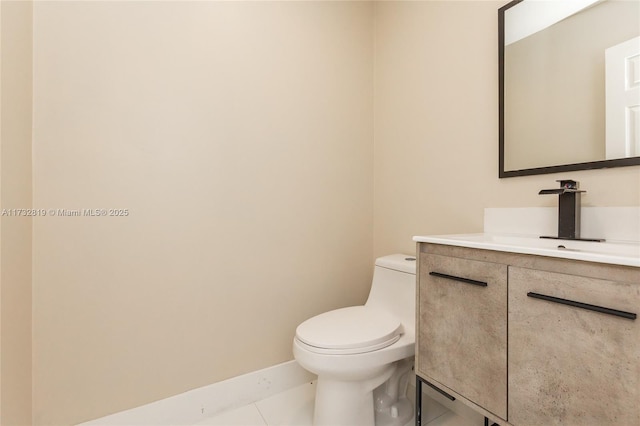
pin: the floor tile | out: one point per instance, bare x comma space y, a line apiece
290, 408
243, 416
450, 419
294, 407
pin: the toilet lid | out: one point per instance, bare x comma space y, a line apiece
350, 330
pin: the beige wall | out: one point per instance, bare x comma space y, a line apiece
238, 135
436, 127
15, 231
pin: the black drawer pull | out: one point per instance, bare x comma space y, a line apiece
462, 280
443, 393
601, 309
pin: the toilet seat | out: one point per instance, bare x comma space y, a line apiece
353, 330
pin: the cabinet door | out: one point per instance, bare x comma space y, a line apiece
463, 328
570, 365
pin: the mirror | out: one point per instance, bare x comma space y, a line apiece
569, 85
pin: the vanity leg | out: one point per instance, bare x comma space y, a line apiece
486, 422
418, 401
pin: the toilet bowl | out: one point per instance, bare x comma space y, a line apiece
362, 354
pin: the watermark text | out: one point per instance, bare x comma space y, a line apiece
59, 212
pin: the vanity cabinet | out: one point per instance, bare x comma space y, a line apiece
464, 346
546, 341
571, 365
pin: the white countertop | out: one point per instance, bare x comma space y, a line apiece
612, 252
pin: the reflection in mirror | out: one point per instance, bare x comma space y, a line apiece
570, 85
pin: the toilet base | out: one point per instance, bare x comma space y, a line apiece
347, 403
379, 401
403, 412
392, 408
342, 404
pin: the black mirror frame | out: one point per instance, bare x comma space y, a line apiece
502, 173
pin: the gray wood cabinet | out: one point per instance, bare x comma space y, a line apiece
532, 346
570, 365
464, 346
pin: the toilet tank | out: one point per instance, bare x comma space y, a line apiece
394, 288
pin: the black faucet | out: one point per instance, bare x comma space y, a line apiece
568, 210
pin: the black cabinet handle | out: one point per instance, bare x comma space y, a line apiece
460, 279
601, 309
440, 391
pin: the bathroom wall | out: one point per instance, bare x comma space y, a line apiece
15, 229
436, 127
234, 140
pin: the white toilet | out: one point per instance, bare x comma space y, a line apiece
362, 354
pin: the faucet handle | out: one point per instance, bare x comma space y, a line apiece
566, 186
569, 184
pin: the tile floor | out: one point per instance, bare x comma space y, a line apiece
294, 407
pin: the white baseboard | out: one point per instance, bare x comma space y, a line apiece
192, 406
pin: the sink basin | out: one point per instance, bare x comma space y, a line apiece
613, 252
